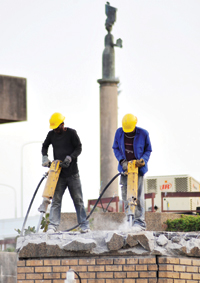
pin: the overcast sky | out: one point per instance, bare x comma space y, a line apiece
57, 46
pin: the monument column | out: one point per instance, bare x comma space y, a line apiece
108, 108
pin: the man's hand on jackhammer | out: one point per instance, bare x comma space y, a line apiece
124, 164
66, 162
45, 161
140, 162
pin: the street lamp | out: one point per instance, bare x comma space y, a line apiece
15, 197
22, 172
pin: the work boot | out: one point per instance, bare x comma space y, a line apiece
84, 229
51, 230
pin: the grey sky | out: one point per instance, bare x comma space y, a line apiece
58, 45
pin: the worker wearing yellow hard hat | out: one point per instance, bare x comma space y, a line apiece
66, 147
133, 143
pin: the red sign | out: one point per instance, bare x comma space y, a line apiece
165, 186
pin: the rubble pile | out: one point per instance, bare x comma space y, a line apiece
109, 243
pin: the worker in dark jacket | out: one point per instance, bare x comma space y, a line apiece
133, 143
66, 147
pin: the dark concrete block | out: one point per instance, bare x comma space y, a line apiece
12, 99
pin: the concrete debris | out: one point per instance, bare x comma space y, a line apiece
80, 245
162, 240
114, 241
109, 243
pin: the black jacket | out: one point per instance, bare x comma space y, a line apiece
66, 143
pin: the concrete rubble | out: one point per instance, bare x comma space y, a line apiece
96, 243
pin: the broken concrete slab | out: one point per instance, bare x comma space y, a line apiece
80, 244
162, 240
108, 243
114, 241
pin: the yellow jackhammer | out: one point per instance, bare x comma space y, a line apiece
49, 189
132, 187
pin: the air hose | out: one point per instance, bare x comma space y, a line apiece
29, 208
45, 175
100, 196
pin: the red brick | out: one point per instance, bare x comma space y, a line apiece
192, 269
51, 262
114, 281
104, 261
25, 281
119, 261
119, 274
96, 268
52, 275
113, 268
88, 275
131, 261
165, 280
185, 261
69, 262
104, 274
34, 276
166, 267
167, 274
21, 263
132, 274
147, 274
179, 268
25, 269
185, 275
141, 280
43, 269
196, 276
152, 267
196, 262
42, 281
95, 281
170, 260
147, 260
60, 269
141, 267
34, 262
86, 261
129, 280
129, 267
21, 276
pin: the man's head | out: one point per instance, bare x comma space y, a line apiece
57, 121
129, 122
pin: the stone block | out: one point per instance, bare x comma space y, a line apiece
12, 99
80, 244
114, 241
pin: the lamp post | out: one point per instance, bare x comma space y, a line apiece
22, 172
14, 195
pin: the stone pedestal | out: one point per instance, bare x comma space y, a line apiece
108, 127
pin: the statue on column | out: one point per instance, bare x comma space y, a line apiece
108, 53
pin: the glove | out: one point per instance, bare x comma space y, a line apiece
45, 161
140, 162
66, 162
124, 164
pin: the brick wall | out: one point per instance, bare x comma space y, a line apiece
111, 270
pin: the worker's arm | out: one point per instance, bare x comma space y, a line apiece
117, 148
77, 146
147, 149
45, 145
45, 160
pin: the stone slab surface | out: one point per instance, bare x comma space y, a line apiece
94, 243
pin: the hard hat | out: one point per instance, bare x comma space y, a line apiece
55, 120
129, 122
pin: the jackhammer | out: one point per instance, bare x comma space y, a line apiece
48, 193
132, 187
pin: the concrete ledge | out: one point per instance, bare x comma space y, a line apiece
112, 220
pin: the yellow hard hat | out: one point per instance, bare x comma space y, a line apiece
129, 122
55, 120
